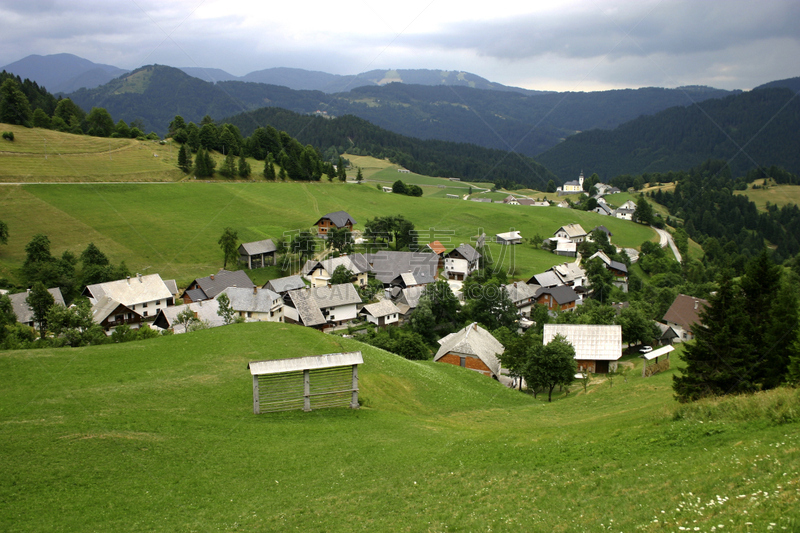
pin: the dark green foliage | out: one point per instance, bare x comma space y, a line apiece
489, 305
601, 280
269, 168
304, 244
229, 242
341, 171
340, 239
228, 169
183, 159
7, 316
75, 324
644, 212
550, 366
341, 275
388, 228
96, 268
99, 123
404, 343
40, 301
244, 169
38, 97
41, 266
14, 105
225, 310
8, 135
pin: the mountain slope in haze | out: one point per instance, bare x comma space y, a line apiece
788, 83
756, 128
63, 73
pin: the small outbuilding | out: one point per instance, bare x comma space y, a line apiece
597, 347
656, 361
382, 313
313, 382
474, 348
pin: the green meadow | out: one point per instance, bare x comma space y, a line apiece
159, 435
173, 228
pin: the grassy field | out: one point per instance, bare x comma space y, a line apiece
159, 435
173, 229
779, 195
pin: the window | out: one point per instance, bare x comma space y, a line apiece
118, 318
144, 314
158, 302
144, 305
463, 362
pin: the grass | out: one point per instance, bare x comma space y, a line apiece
779, 195
173, 228
159, 436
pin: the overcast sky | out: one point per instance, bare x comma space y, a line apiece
551, 45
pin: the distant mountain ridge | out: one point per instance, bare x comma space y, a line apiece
63, 73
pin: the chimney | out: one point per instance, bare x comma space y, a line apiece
515, 284
139, 276
255, 290
195, 314
696, 305
212, 277
129, 280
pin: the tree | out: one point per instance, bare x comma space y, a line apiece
403, 231
41, 120
7, 316
341, 172
3, 232
99, 122
75, 324
68, 111
551, 186
14, 105
516, 356
489, 305
717, 362
229, 242
551, 365
398, 187
183, 159
340, 239
359, 176
228, 169
200, 170
643, 212
303, 244
341, 275
244, 168
601, 280
637, 327
225, 310
40, 301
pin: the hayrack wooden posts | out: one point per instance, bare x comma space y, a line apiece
306, 383
651, 364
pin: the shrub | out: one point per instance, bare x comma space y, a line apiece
8, 135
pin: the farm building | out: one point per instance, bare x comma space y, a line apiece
382, 313
255, 305
258, 254
23, 311
143, 295
510, 237
337, 219
209, 287
597, 348
472, 347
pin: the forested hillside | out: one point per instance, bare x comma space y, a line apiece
757, 128
432, 158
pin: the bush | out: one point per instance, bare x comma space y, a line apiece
777, 406
8, 135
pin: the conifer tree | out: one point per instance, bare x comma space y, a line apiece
200, 170
244, 168
183, 159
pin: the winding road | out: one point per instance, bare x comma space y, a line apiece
666, 239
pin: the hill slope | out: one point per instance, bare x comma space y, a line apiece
750, 129
63, 73
159, 436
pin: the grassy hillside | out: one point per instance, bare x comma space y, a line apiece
173, 228
159, 436
40, 155
779, 195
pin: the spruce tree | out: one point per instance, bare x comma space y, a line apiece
244, 168
183, 159
718, 361
200, 164
209, 163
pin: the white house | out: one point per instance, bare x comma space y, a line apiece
382, 313
144, 295
573, 232
320, 274
321, 306
461, 262
255, 305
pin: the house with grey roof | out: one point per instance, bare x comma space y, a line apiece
258, 254
388, 266
597, 347
205, 312
570, 274
523, 296
472, 347
624, 214
573, 232
285, 284
545, 279
109, 314
23, 311
255, 305
382, 313
461, 262
320, 274
620, 270
603, 209
335, 220
334, 305
408, 299
559, 298
209, 287
143, 295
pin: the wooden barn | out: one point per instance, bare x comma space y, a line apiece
597, 347
474, 348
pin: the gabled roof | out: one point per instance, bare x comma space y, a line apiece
610, 263
473, 340
132, 290
410, 298
519, 292
604, 208
205, 311
215, 283
411, 279
466, 251
568, 272
572, 230
307, 309
382, 308
105, 306
258, 247
282, 285
604, 230
195, 295
23, 311
335, 295
591, 342
509, 235
546, 279
562, 294
251, 300
685, 310
338, 219
171, 286
437, 247
355, 263
387, 265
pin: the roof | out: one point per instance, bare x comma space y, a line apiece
684, 311
411, 279
215, 283
562, 294
410, 296
518, 291
307, 309
309, 265
467, 252
509, 235
314, 362
387, 265
604, 230
23, 311
473, 340
664, 350
382, 308
546, 279
104, 307
251, 300
335, 295
171, 286
355, 263
338, 219
196, 295
258, 247
591, 342
572, 230
132, 290
437, 247
206, 311
289, 283
568, 272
